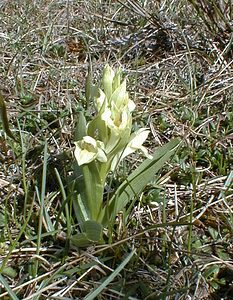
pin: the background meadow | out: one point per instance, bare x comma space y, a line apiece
176, 239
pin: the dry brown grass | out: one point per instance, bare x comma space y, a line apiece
178, 59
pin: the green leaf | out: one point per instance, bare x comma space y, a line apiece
137, 180
80, 209
92, 234
211, 272
81, 126
93, 230
3, 116
80, 240
94, 188
10, 272
88, 196
98, 129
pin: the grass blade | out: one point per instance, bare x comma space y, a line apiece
41, 199
7, 287
97, 291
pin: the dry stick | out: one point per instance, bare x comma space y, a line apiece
3, 116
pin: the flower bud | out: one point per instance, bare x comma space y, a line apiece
107, 80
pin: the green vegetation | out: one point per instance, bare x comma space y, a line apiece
173, 231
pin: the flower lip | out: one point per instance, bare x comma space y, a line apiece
88, 149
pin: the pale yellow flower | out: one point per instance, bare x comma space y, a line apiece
100, 101
89, 149
135, 143
117, 120
120, 98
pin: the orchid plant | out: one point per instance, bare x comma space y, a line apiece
99, 147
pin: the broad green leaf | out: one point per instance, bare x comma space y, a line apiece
3, 116
160, 152
211, 271
88, 184
93, 230
78, 194
91, 190
81, 126
88, 86
136, 181
101, 133
80, 209
10, 272
92, 233
80, 240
